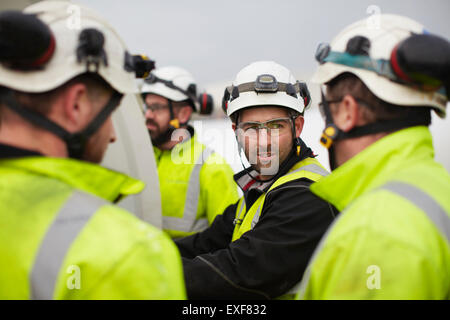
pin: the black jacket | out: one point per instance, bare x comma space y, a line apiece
266, 261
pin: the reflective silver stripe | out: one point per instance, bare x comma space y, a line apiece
180, 224
189, 223
65, 228
419, 198
426, 203
314, 168
238, 219
256, 216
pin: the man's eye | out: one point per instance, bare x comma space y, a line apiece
275, 125
156, 107
251, 127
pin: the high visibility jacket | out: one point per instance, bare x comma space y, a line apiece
391, 240
196, 185
61, 237
268, 260
245, 220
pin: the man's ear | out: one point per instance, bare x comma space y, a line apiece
347, 113
76, 107
184, 114
299, 122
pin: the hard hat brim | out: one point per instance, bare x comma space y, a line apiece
251, 99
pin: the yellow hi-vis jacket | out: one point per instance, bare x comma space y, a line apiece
245, 220
62, 238
196, 185
391, 240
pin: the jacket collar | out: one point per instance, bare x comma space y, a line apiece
373, 166
8, 151
91, 178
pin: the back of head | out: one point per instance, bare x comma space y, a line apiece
50, 44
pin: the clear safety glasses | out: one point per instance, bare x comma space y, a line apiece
279, 126
155, 107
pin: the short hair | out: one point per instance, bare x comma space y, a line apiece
183, 103
41, 102
374, 109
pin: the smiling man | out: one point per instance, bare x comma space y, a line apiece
255, 248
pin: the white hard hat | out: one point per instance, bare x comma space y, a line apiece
177, 84
383, 36
265, 83
179, 77
67, 21
50, 43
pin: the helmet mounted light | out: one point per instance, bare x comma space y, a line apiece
266, 83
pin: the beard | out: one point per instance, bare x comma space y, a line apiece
157, 135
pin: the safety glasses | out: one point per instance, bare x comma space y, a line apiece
274, 126
155, 107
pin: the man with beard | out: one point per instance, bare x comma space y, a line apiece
254, 249
196, 183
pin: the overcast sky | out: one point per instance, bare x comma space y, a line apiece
215, 39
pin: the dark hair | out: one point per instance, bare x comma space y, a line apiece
374, 109
42, 101
234, 117
183, 103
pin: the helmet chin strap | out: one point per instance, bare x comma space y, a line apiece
297, 143
75, 142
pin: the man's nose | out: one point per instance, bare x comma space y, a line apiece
264, 137
149, 114
263, 134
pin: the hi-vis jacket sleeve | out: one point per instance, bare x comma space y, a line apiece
382, 256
